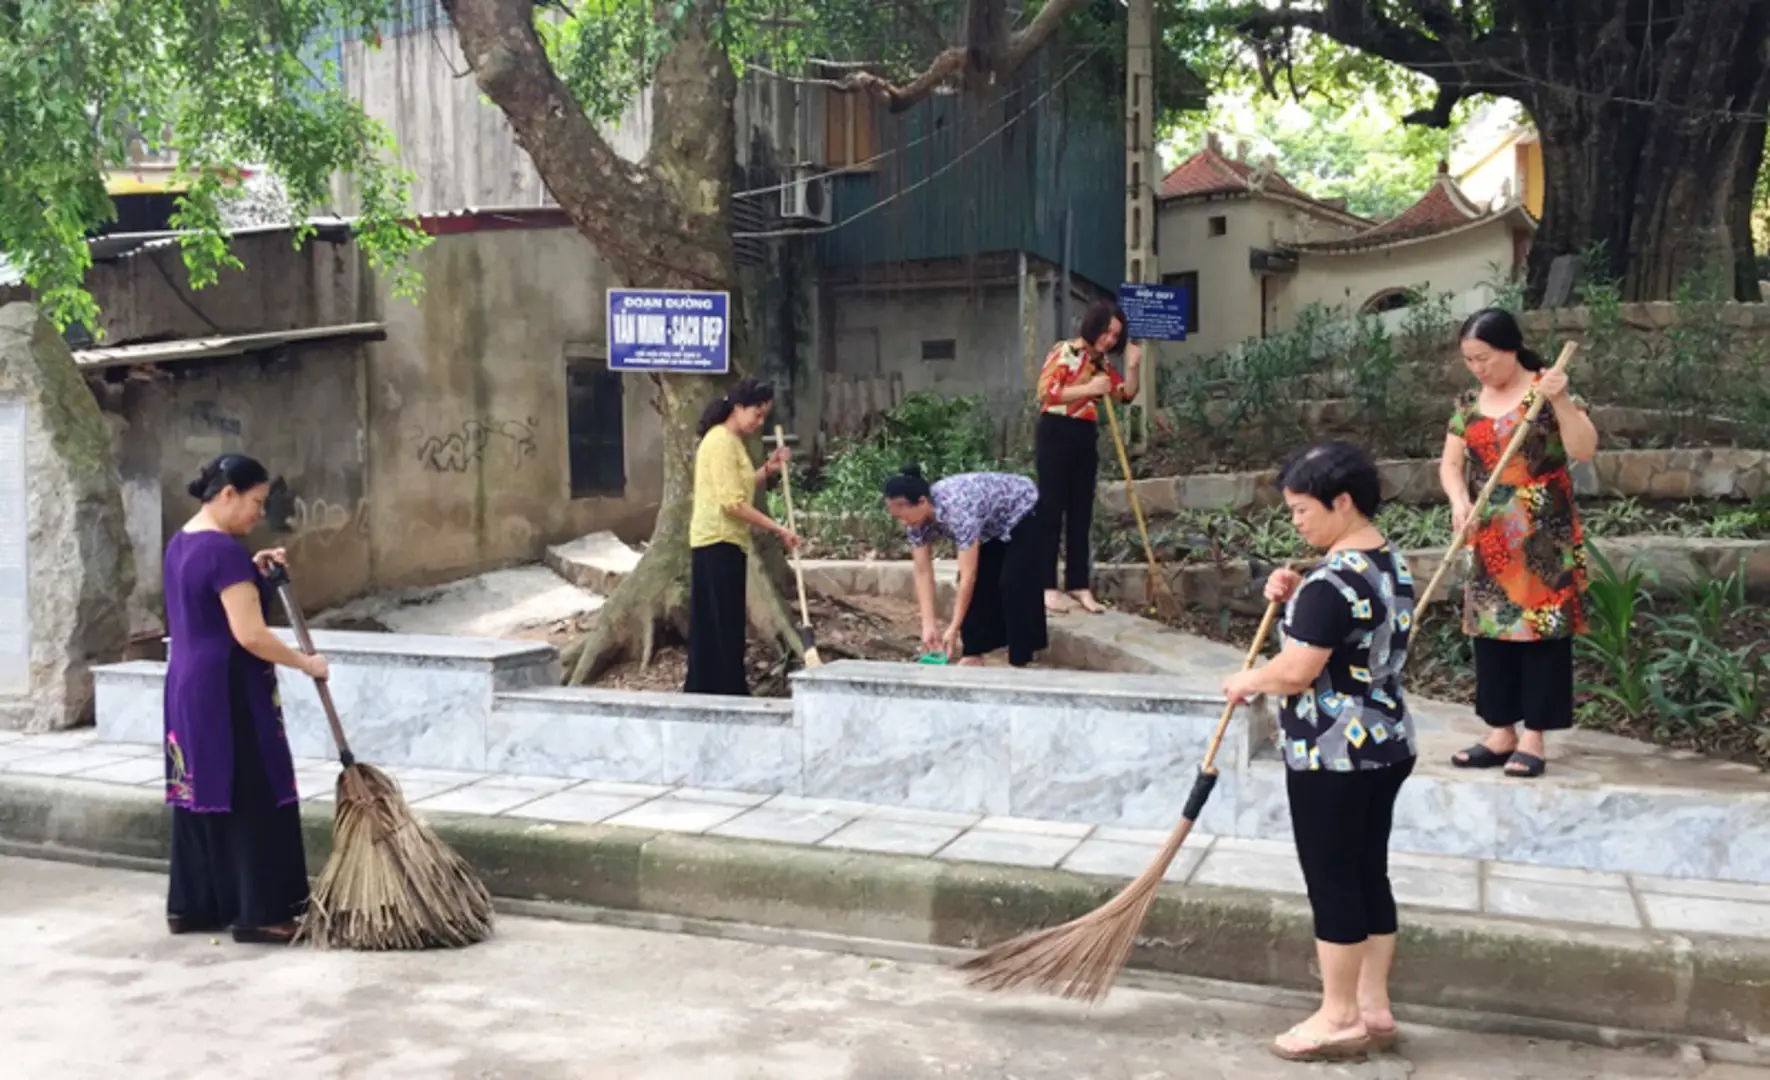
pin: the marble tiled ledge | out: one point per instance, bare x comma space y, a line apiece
1502, 889
413, 699
1092, 749
1551, 822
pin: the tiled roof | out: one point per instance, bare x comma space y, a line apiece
1444, 208
1208, 172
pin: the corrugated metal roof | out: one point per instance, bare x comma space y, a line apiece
161, 352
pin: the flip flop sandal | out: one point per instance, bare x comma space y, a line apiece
1479, 757
1533, 765
1356, 1048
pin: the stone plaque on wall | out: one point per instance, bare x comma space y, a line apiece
15, 602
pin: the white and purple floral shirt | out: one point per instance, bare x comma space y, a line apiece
975, 508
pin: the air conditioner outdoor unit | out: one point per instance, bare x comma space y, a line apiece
806, 197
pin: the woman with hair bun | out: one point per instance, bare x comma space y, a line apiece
1527, 567
993, 521
725, 483
237, 857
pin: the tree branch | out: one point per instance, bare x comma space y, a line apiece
1025, 42
601, 191
1461, 65
987, 48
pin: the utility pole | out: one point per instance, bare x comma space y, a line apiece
1140, 264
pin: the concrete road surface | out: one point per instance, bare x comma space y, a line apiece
91, 987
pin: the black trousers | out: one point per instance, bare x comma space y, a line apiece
247, 868
718, 627
1007, 604
1066, 453
1525, 681
1341, 821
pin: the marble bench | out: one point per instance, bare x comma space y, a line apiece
405, 699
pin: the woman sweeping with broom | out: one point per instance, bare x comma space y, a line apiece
1347, 739
725, 483
237, 854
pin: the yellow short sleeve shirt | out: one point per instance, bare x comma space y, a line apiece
724, 476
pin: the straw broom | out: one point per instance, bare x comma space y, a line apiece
1160, 596
390, 883
1082, 957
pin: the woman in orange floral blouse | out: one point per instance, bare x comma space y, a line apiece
1522, 605
1066, 447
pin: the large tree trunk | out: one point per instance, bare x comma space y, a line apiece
1652, 117
1651, 146
660, 224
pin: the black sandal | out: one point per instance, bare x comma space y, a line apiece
1533, 765
1479, 757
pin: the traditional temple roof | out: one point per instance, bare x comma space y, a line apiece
1444, 209
1209, 173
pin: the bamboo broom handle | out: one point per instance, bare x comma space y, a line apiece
279, 577
1118, 442
780, 439
1512, 445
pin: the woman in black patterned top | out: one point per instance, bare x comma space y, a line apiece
1346, 737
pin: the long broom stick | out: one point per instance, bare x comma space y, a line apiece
1159, 594
1082, 957
390, 883
806, 637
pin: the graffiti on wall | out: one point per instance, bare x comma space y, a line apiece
460, 450
316, 519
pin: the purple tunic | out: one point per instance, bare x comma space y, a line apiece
207, 670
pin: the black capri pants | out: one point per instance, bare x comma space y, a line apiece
1524, 681
1341, 821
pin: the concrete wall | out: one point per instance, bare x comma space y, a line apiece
1229, 297
461, 148
148, 296
299, 412
466, 410
880, 332
1455, 264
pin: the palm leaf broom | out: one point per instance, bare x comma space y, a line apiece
1082, 958
391, 883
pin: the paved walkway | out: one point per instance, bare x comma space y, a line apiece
96, 990
1510, 890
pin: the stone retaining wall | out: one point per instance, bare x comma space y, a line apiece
1236, 585
1708, 473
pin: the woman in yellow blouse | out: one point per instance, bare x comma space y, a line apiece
725, 483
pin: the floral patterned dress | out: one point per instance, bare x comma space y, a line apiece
1528, 567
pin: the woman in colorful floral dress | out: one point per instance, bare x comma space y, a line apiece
1522, 605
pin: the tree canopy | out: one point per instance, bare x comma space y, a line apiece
223, 82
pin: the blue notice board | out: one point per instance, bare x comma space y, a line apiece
1154, 312
670, 330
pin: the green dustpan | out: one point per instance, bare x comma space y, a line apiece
932, 658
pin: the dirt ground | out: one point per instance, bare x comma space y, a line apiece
854, 628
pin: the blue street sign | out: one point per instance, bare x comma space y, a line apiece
670, 330
1154, 312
